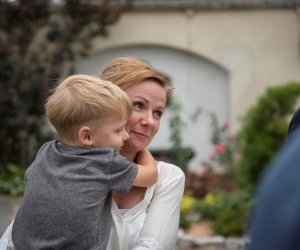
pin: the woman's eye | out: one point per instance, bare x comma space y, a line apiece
158, 114
138, 106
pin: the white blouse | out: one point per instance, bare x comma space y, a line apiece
151, 224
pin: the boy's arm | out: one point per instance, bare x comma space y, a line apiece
147, 171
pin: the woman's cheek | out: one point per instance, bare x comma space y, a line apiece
156, 128
133, 119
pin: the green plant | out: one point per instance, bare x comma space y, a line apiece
180, 154
231, 220
12, 181
263, 130
184, 222
39, 41
228, 212
223, 204
208, 206
187, 204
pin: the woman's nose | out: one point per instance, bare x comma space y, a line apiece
147, 119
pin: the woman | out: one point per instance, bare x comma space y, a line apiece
146, 218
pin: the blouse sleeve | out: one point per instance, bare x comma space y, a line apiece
161, 225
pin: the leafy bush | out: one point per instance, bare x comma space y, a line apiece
37, 42
186, 208
12, 181
228, 212
180, 155
231, 220
263, 130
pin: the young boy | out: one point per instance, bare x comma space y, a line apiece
67, 200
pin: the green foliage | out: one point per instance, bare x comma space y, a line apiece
187, 204
184, 223
227, 211
12, 181
207, 210
264, 129
37, 41
180, 155
231, 221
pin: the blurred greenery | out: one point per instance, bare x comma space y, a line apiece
39, 42
180, 155
12, 181
228, 212
263, 130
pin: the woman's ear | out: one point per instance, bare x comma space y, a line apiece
84, 136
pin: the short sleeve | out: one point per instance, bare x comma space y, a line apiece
123, 174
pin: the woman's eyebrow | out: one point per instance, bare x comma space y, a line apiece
141, 97
147, 101
162, 108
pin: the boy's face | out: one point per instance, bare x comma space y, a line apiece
110, 133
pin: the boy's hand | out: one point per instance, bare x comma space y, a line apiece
147, 170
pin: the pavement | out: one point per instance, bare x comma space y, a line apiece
8, 209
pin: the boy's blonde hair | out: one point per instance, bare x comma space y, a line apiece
81, 100
128, 71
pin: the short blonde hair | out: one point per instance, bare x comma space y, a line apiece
128, 71
81, 99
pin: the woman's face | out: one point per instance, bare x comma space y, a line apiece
149, 102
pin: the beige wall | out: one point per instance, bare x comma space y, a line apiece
258, 48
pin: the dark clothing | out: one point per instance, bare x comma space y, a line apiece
295, 122
275, 224
68, 195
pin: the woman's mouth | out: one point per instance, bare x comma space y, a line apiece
140, 135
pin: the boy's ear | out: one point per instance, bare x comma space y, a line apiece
84, 136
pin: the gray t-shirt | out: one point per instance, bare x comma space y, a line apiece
67, 200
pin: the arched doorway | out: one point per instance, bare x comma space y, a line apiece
201, 86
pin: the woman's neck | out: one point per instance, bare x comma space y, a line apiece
130, 155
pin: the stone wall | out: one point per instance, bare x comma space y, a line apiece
189, 242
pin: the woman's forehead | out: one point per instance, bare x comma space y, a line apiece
146, 86
149, 91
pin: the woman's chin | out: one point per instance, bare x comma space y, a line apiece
138, 144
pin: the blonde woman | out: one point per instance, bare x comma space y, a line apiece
146, 218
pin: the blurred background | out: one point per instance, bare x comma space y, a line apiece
234, 65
